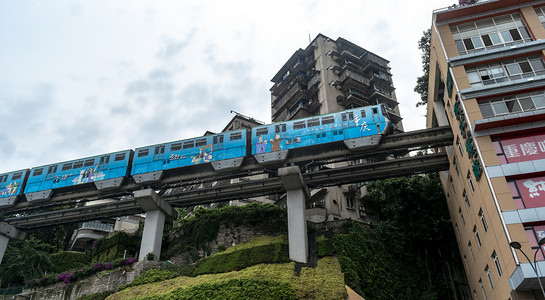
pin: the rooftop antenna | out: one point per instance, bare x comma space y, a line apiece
309, 37
246, 117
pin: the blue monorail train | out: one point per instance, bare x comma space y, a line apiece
357, 128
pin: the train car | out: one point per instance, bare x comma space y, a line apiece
105, 171
11, 187
359, 127
224, 151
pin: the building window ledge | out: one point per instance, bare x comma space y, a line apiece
492, 54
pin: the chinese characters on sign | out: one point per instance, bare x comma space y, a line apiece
525, 148
469, 143
532, 191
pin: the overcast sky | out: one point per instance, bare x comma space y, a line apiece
82, 78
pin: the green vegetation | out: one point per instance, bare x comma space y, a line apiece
203, 227
150, 276
259, 250
422, 81
392, 259
114, 246
68, 260
233, 289
24, 261
323, 282
97, 296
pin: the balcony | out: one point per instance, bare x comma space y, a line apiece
303, 110
395, 116
379, 95
353, 79
296, 92
372, 61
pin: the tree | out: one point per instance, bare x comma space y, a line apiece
25, 260
422, 81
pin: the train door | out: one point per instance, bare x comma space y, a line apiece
347, 122
376, 116
279, 135
103, 162
159, 152
51, 172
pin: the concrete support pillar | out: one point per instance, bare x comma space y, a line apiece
297, 194
6, 232
157, 211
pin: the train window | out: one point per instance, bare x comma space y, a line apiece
312, 123
3, 178
236, 136
363, 113
66, 167
119, 156
280, 128
200, 142
89, 162
104, 160
218, 138
327, 120
78, 164
262, 131
189, 144
350, 116
299, 125
375, 110
176, 147
38, 172
52, 169
17, 176
143, 152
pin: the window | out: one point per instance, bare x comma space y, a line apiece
119, 156
477, 236
327, 120
470, 180
487, 270
482, 288
299, 125
143, 152
466, 200
512, 104
466, 263
347, 116
507, 70
452, 183
261, 131
176, 147
458, 231
235, 136
17, 175
349, 202
78, 164
312, 123
38, 172
4, 178
89, 162
200, 142
280, 128
483, 220
363, 113
66, 167
455, 163
189, 144
219, 138
459, 146
497, 263
52, 169
490, 33
471, 250
462, 216
534, 234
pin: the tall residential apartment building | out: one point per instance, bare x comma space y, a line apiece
330, 76
487, 81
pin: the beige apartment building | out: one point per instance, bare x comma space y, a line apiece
330, 76
487, 81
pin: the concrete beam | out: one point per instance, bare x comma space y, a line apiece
297, 194
150, 201
157, 210
6, 232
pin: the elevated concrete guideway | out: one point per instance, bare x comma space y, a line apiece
186, 188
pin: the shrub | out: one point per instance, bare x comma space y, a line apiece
153, 275
277, 252
67, 260
96, 296
232, 289
326, 247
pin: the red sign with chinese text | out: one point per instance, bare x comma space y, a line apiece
525, 148
532, 191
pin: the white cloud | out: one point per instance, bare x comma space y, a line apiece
101, 76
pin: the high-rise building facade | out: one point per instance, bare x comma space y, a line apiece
330, 76
487, 81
